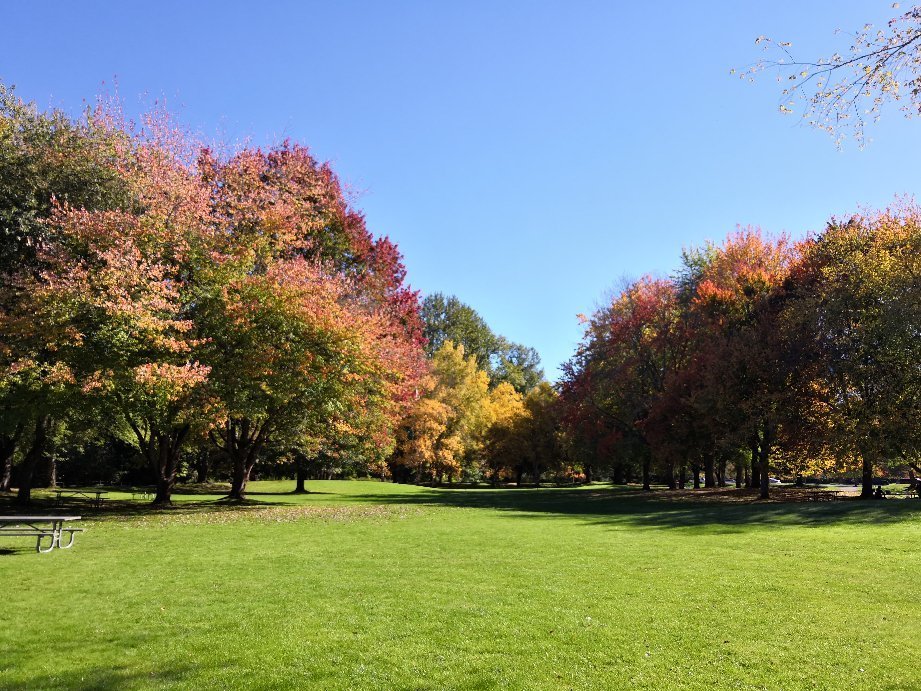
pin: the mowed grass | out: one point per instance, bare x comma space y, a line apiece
371, 585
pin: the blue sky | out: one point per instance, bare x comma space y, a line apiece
525, 156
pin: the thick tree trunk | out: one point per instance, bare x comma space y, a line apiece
646, 485
300, 469
866, 475
709, 477
239, 479
696, 469
164, 492
721, 473
45, 473
34, 455
683, 476
519, 475
670, 476
241, 440
163, 449
587, 471
739, 471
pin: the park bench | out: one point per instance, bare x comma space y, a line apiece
96, 496
40, 527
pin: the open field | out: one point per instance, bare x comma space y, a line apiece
374, 585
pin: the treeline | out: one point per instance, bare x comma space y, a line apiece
759, 356
171, 313
166, 304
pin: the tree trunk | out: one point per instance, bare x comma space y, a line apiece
7, 451
164, 492
670, 475
721, 473
755, 476
696, 468
519, 475
866, 479
202, 467
683, 476
239, 479
240, 440
46, 472
709, 477
300, 468
587, 471
739, 478
646, 463
767, 438
33, 456
163, 450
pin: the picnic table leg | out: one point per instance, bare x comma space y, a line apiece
38, 543
69, 544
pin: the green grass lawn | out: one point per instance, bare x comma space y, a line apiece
379, 586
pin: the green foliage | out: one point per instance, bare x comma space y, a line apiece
448, 319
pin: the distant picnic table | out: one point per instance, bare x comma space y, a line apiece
823, 494
94, 495
40, 527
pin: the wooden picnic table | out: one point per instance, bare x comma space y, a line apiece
40, 527
94, 495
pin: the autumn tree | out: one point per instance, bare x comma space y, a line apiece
630, 350
443, 433
310, 330
739, 367
46, 160
857, 309
503, 440
446, 318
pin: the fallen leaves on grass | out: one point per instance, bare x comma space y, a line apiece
278, 514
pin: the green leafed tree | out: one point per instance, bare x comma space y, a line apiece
449, 319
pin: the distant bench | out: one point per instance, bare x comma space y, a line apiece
40, 527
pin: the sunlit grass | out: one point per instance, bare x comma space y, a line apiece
375, 585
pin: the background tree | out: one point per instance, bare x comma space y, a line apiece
857, 308
448, 319
443, 433
46, 160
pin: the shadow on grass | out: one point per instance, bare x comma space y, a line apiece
291, 493
102, 678
715, 510
727, 510
116, 509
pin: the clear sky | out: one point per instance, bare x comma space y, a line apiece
525, 156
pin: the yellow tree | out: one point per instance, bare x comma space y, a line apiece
443, 433
502, 440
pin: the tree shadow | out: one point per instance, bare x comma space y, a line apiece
116, 509
725, 511
290, 493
